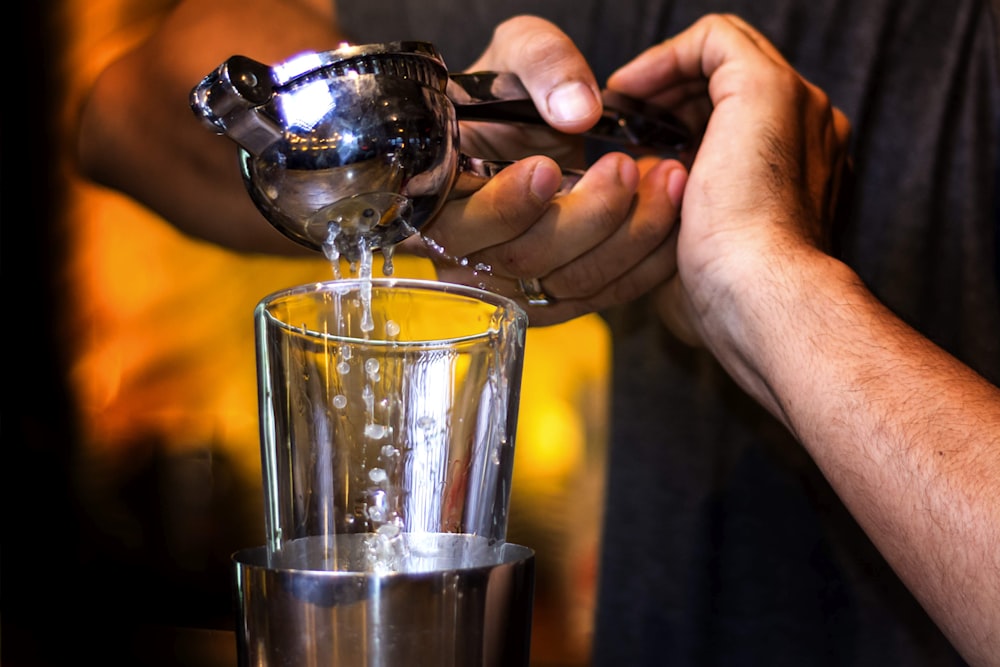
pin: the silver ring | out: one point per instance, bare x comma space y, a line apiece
532, 290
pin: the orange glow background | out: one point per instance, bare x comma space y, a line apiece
163, 352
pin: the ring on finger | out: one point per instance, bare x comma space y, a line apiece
533, 291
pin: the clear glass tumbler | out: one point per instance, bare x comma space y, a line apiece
388, 407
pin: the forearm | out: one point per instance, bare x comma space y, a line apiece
137, 133
907, 435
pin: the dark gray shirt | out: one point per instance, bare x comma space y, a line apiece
723, 544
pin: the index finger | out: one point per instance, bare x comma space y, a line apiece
694, 55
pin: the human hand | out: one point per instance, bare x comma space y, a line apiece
763, 183
606, 241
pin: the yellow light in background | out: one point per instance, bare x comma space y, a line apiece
563, 401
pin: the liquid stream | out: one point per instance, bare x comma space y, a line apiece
376, 511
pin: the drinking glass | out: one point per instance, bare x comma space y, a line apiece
388, 407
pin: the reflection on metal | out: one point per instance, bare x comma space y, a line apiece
344, 128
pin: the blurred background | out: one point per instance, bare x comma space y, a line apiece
131, 460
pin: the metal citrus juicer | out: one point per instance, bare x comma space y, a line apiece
361, 144
348, 151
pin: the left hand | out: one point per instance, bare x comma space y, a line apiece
606, 241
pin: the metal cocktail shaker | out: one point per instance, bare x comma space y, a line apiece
469, 605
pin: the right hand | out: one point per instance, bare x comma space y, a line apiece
762, 187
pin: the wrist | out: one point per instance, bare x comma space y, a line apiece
781, 318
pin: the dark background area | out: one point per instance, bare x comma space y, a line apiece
46, 617
38, 553
64, 600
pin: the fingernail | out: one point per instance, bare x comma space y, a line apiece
628, 172
572, 101
545, 182
676, 180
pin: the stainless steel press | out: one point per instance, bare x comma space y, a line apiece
360, 145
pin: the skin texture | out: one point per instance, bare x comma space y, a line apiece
908, 436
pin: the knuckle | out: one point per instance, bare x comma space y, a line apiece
521, 260
583, 279
511, 212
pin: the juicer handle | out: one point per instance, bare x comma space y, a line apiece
231, 101
501, 97
474, 172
